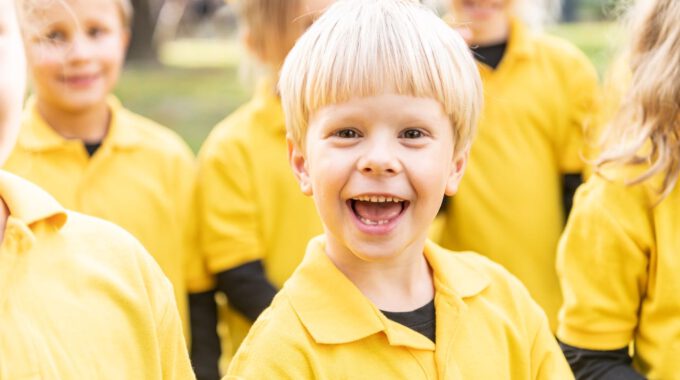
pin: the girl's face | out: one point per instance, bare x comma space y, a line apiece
75, 50
12, 77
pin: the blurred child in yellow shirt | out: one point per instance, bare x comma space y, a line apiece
381, 100
79, 297
526, 162
619, 257
254, 223
80, 144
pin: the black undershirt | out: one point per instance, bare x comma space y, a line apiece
600, 365
205, 342
490, 55
247, 288
421, 320
92, 148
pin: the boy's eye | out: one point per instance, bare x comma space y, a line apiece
55, 36
346, 134
412, 134
95, 32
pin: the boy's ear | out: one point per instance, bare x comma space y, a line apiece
458, 164
298, 163
126, 39
247, 40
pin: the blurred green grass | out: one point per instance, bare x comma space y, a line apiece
198, 83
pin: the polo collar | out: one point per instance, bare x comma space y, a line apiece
37, 135
268, 105
519, 41
29, 203
334, 311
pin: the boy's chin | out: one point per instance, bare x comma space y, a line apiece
385, 251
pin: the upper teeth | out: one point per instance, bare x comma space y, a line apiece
377, 198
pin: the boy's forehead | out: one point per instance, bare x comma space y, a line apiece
49, 10
401, 108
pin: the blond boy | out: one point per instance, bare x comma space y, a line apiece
78, 142
381, 99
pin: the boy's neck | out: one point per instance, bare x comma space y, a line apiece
491, 34
90, 125
402, 283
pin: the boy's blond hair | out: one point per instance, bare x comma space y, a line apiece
26, 7
362, 48
646, 128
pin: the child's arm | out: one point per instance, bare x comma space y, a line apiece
581, 94
602, 264
247, 288
206, 348
170, 340
230, 218
600, 365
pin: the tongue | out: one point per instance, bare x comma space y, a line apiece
377, 211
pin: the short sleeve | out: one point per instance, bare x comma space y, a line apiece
227, 206
547, 360
273, 352
582, 94
602, 265
169, 336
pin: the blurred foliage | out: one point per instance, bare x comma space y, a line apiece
190, 101
199, 83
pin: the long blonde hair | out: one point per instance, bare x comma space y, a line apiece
646, 127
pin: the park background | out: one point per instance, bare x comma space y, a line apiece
187, 70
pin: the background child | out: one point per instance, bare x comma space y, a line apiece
526, 161
381, 99
618, 258
254, 223
79, 297
80, 144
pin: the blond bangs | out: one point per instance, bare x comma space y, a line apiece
380, 46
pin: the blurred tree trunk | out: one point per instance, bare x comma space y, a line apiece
569, 10
142, 48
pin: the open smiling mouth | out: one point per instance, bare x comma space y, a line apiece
377, 210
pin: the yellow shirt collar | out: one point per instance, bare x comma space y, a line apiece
334, 311
519, 41
38, 135
29, 203
267, 105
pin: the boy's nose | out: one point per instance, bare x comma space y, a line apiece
379, 159
80, 49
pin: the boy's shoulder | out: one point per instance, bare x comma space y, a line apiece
248, 125
560, 51
151, 135
277, 338
105, 241
473, 274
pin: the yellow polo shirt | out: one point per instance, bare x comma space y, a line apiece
320, 326
619, 260
80, 298
250, 205
509, 206
141, 178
